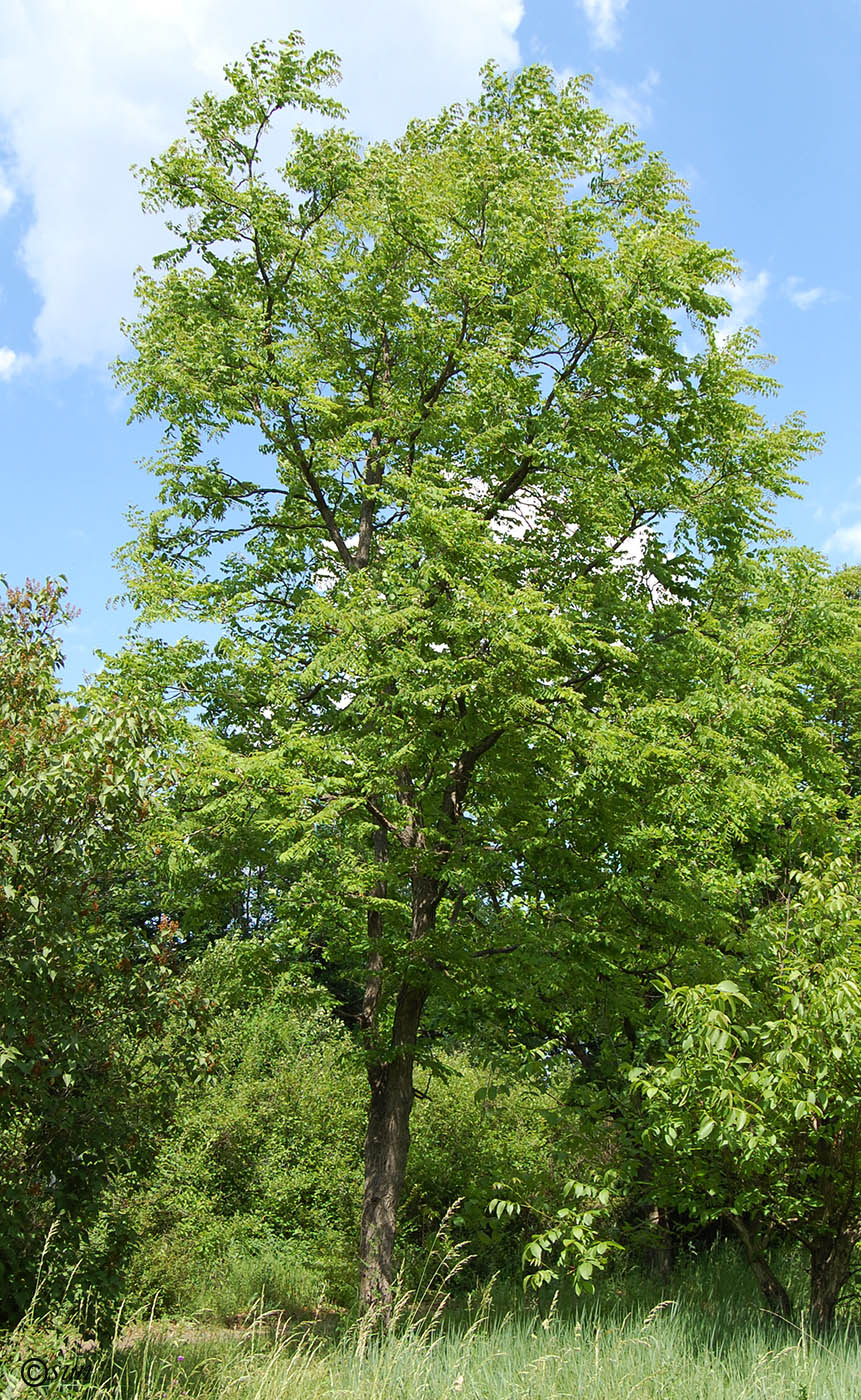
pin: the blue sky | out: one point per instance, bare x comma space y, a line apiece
756, 104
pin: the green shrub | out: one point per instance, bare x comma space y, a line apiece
257, 1189
80, 986
258, 1184
471, 1131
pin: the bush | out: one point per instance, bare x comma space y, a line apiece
79, 986
257, 1189
472, 1131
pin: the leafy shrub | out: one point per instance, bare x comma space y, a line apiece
257, 1189
472, 1131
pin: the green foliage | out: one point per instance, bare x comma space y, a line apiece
257, 1182
474, 1127
573, 1243
79, 991
257, 1187
734, 768
469, 386
745, 1079
757, 1088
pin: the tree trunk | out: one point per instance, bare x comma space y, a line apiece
830, 1260
770, 1287
388, 1136
661, 1255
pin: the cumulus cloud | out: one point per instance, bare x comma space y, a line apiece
845, 543
9, 362
746, 296
804, 297
603, 17
90, 88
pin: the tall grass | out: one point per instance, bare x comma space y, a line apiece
705, 1339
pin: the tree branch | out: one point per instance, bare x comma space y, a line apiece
461, 773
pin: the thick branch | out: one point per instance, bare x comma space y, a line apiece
327, 515
527, 457
374, 980
461, 773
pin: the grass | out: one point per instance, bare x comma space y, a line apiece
260, 1282
706, 1339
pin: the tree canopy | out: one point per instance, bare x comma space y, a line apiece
507, 458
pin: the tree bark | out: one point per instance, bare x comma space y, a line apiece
772, 1290
662, 1252
830, 1262
387, 1141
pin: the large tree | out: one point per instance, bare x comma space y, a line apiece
502, 440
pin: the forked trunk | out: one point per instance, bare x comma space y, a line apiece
770, 1286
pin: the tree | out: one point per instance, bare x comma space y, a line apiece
79, 990
757, 1091
493, 478
719, 1067
756, 1084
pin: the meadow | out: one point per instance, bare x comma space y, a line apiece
705, 1337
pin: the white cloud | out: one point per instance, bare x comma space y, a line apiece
9, 362
804, 297
87, 89
628, 103
603, 17
746, 296
845, 542
7, 195
521, 516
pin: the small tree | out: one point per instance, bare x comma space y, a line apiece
492, 473
757, 1098
77, 990
735, 764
